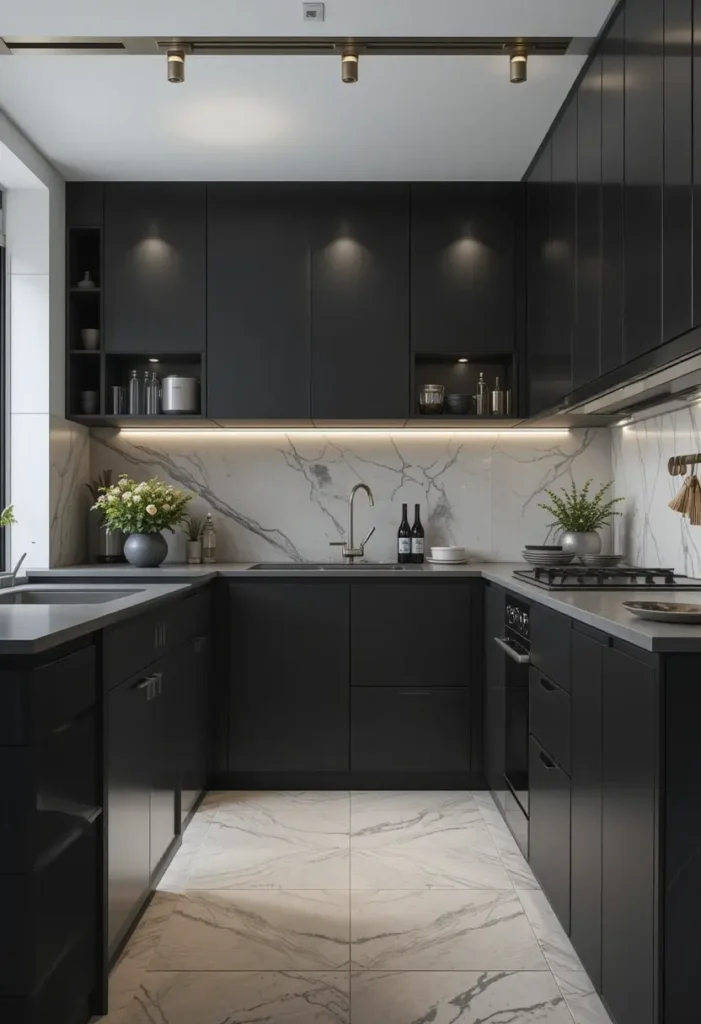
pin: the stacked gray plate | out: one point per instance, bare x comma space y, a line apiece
545, 559
602, 561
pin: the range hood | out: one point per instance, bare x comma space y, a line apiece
668, 389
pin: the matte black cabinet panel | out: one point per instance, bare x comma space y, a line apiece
169, 678
360, 302
544, 389
549, 829
550, 717
644, 151
129, 803
193, 718
696, 111
587, 801
562, 256
586, 353
258, 301
494, 692
678, 163
463, 267
629, 838
85, 204
612, 204
410, 730
408, 635
288, 699
155, 267
551, 644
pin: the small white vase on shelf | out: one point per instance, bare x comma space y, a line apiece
194, 551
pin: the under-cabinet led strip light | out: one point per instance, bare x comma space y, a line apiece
336, 432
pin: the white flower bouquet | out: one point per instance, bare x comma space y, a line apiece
148, 507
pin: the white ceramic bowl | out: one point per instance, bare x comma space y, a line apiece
451, 554
90, 337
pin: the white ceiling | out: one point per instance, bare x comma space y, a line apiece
290, 118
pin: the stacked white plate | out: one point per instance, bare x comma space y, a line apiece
545, 557
602, 561
447, 556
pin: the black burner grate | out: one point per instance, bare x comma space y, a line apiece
575, 576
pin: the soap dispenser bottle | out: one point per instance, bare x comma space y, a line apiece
209, 540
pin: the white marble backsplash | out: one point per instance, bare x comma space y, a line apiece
284, 497
649, 532
69, 500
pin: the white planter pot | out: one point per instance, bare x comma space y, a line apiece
194, 552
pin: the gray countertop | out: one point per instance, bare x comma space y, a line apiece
602, 610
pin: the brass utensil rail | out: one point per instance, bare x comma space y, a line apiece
679, 464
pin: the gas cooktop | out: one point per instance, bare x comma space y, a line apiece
622, 577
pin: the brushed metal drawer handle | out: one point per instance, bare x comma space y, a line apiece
547, 685
415, 693
550, 765
520, 659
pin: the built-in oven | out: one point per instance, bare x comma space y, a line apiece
515, 646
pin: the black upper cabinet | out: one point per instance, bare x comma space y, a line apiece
644, 151
463, 267
85, 204
586, 352
258, 301
288, 700
562, 272
360, 302
544, 390
612, 136
586, 765
678, 166
629, 695
696, 155
155, 267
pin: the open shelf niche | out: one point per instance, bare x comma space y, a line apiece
459, 374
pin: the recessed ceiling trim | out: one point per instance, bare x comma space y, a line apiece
467, 46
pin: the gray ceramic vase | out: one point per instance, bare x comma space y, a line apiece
580, 543
146, 550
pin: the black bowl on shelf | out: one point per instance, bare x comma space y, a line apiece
458, 405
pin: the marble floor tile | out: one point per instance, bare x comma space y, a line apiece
244, 997
446, 997
126, 974
261, 929
581, 998
277, 814
557, 948
488, 809
442, 929
289, 858
516, 865
381, 817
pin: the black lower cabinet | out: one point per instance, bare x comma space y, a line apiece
193, 723
288, 697
587, 799
494, 691
169, 677
630, 737
403, 731
549, 833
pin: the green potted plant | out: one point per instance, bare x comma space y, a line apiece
193, 527
7, 516
141, 511
578, 517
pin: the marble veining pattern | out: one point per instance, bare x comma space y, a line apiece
649, 532
69, 500
284, 496
251, 948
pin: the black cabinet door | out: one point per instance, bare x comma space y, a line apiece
612, 136
628, 874
155, 267
169, 677
410, 730
643, 176
696, 109
128, 802
360, 302
677, 215
586, 352
463, 267
551, 644
288, 698
544, 389
549, 829
562, 255
586, 762
193, 723
408, 635
258, 301
494, 689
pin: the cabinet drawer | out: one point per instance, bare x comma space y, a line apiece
551, 644
130, 646
189, 618
550, 717
549, 829
410, 730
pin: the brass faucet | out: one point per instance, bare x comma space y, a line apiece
350, 552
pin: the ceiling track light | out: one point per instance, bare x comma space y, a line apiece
349, 66
518, 67
175, 62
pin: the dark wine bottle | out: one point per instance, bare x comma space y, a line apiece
404, 538
417, 537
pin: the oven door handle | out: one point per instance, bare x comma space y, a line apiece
521, 659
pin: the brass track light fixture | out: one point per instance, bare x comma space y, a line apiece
175, 62
349, 65
518, 65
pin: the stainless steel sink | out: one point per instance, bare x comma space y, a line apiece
53, 595
334, 567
